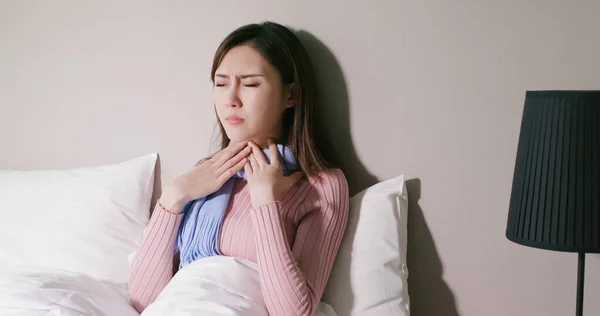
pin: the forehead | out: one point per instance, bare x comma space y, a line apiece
243, 60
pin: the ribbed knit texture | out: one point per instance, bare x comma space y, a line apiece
294, 242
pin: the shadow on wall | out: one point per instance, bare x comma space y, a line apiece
157, 191
429, 294
332, 111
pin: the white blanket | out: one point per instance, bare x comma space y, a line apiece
213, 286
217, 285
34, 291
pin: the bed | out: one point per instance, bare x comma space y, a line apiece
67, 238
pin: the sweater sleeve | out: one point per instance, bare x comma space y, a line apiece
293, 278
152, 267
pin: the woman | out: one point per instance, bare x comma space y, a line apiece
271, 195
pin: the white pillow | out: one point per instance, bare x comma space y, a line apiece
85, 220
370, 272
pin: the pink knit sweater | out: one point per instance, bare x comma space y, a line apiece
294, 241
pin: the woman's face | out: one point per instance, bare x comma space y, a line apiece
249, 96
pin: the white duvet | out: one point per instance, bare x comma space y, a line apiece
213, 286
220, 286
34, 291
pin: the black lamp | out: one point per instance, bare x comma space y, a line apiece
555, 200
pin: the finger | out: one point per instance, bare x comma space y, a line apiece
253, 163
201, 161
232, 171
258, 155
228, 152
273, 153
234, 160
248, 169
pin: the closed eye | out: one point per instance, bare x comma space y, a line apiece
253, 85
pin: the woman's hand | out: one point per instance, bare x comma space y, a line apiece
266, 182
206, 177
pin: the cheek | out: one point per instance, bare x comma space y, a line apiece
217, 96
219, 102
264, 103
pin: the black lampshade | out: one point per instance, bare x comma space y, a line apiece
555, 199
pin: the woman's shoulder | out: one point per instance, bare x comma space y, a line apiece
332, 174
329, 193
329, 180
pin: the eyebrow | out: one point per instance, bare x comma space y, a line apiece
242, 76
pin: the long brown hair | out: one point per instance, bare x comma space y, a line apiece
282, 49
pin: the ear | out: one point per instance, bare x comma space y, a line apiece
289, 98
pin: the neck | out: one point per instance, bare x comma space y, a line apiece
262, 141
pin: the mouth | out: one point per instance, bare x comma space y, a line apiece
234, 120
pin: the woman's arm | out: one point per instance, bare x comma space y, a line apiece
152, 267
293, 279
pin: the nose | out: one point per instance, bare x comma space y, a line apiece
233, 99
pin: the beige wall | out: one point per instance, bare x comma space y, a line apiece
431, 90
